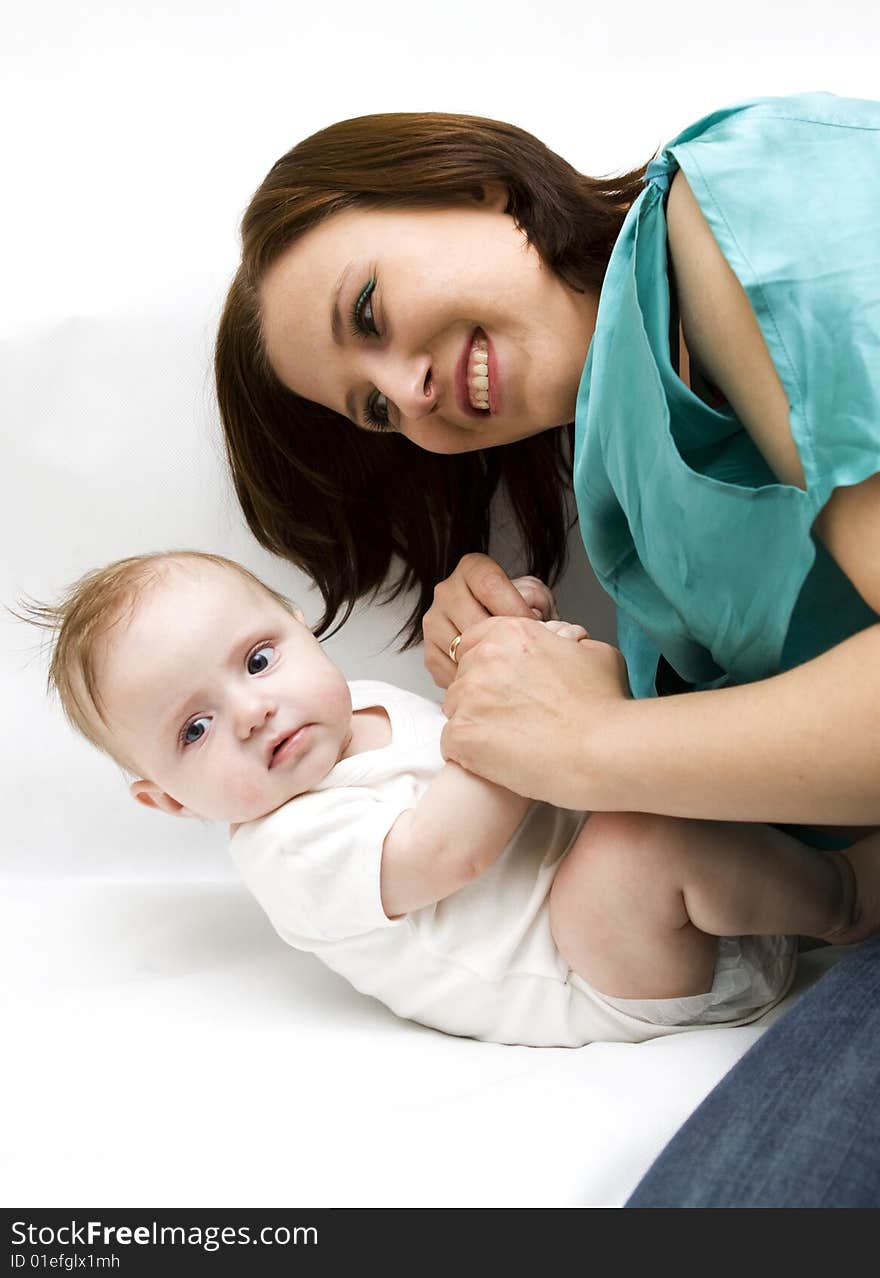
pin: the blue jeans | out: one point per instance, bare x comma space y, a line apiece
796, 1122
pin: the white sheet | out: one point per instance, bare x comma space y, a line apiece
165, 1048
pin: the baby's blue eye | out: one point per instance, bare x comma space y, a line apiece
260, 659
195, 729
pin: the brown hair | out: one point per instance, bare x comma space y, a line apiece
341, 503
87, 611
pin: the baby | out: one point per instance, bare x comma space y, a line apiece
453, 901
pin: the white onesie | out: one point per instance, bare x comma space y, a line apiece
482, 962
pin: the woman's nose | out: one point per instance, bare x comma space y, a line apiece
409, 385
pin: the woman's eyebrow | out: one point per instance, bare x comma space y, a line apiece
336, 328
336, 314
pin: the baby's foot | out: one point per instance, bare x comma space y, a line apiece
859, 871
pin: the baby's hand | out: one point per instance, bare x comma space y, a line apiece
538, 596
567, 629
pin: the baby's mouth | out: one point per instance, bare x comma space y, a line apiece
291, 745
284, 745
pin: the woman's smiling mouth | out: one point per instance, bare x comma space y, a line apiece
473, 379
478, 374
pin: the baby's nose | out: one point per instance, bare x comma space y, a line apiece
253, 714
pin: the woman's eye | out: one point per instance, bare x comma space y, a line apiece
194, 730
362, 322
260, 659
376, 412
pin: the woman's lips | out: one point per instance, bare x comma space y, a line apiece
494, 379
462, 390
290, 746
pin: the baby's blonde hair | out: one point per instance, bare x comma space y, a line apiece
87, 611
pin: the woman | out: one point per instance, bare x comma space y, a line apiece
439, 281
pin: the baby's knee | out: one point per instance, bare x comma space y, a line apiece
615, 852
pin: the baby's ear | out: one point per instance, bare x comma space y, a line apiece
300, 616
153, 796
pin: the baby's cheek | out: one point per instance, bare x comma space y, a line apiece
243, 798
339, 698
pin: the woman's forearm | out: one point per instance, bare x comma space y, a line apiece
553, 720
803, 746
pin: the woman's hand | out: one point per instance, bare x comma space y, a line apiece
479, 588
529, 708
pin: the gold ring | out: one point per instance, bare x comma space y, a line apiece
453, 649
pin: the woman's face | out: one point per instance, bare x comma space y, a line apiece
444, 325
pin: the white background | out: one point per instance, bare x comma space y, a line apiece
133, 137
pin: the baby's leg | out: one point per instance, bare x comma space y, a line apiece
639, 901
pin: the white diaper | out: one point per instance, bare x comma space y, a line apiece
751, 974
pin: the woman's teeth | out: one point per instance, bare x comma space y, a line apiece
478, 374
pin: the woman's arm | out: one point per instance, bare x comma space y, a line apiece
554, 720
803, 746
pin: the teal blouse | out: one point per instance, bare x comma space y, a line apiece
710, 561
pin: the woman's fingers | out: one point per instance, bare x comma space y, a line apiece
530, 710
477, 589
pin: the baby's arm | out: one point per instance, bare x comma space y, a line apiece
459, 826
455, 832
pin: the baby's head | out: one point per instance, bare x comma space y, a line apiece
201, 681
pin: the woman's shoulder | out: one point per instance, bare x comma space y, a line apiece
771, 218
771, 230
741, 121
723, 335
